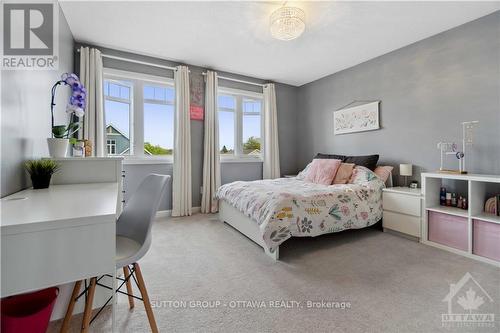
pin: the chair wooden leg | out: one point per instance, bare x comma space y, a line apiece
71, 306
87, 314
126, 273
145, 298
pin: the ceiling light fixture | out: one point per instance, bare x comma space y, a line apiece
287, 23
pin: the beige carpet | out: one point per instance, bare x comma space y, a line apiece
392, 284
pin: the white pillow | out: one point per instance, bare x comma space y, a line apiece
303, 173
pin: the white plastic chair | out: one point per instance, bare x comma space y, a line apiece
133, 240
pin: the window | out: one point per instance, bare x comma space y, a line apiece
158, 120
139, 113
111, 144
240, 124
118, 107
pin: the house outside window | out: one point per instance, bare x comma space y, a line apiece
240, 124
139, 113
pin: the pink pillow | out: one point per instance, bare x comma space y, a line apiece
344, 173
322, 171
383, 172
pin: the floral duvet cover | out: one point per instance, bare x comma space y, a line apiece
287, 207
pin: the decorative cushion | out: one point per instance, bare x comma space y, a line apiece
361, 174
303, 173
384, 172
343, 173
322, 171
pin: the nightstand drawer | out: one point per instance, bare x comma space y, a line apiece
403, 223
401, 203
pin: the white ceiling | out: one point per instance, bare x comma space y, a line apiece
234, 36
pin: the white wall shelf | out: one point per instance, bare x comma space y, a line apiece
478, 189
449, 210
487, 217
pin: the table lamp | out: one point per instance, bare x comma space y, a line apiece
406, 171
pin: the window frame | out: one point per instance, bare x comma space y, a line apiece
136, 132
239, 95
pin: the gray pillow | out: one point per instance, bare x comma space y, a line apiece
330, 156
368, 161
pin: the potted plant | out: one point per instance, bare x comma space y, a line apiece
58, 143
41, 171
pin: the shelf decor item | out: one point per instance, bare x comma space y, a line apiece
41, 171
59, 142
79, 148
406, 170
491, 206
88, 148
442, 196
451, 148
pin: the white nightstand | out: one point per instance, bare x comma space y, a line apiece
402, 210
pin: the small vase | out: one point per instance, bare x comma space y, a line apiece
58, 147
40, 182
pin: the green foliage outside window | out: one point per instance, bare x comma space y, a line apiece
156, 150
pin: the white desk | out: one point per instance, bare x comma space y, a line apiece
57, 235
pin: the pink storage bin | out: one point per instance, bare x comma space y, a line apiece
28, 312
449, 230
486, 239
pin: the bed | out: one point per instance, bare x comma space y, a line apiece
271, 211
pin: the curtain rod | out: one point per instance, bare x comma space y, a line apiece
237, 80
135, 61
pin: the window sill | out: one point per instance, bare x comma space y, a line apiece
133, 161
241, 160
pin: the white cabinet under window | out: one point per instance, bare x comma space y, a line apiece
139, 114
240, 124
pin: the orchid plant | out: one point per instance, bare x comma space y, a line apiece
75, 106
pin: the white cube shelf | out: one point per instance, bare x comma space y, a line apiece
481, 231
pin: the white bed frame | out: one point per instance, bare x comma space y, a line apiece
245, 225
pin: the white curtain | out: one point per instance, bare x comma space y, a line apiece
271, 148
181, 180
211, 162
93, 120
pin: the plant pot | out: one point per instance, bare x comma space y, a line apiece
58, 147
40, 181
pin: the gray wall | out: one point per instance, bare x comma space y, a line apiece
287, 110
426, 90
25, 117
135, 173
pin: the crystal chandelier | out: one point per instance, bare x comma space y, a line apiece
287, 23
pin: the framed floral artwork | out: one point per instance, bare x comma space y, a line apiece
358, 118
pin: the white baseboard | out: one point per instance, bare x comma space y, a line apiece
167, 213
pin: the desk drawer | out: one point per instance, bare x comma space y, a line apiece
405, 224
401, 203
36, 260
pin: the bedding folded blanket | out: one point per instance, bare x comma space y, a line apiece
287, 207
